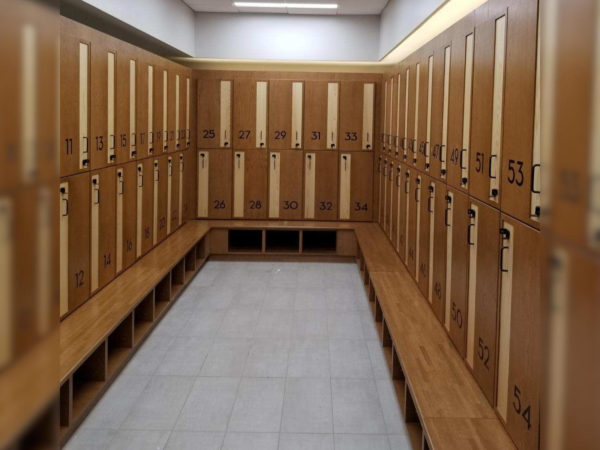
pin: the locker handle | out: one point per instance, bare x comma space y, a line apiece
413, 145
391, 172
66, 200
85, 139
239, 158
406, 186
533, 171
490, 167
442, 147
469, 227
417, 197
398, 176
114, 140
141, 181
134, 139
429, 203
274, 161
152, 137
446, 216
502, 269
462, 152
403, 145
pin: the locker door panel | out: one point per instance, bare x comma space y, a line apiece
280, 113
133, 135
99, 67
321, 115
385, 105
122, 103
150, 102
482, 310
413, 216
129, 213
161, 184
424, 129
256, 185
75, 210
250, 114
401, 113
190, 190
158, 137
404, 215
521, 97
410, 104
392, 113
74, 104
356, 115
210, 102
437, 275
142, 104
102, 227
326, 167
172, 106
456, 308
437, 113
520, 345
145, 178
424, 234
285, 185
390, 183
356, 178
397, 208
396, 114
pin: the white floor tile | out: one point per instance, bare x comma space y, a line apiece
258, 405
356, 407
307, 406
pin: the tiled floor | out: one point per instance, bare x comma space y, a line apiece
256, 356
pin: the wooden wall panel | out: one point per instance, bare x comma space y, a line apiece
324, 196
280, 114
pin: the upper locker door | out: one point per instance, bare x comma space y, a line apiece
285, 185
357, 103
521, 153
250, 114
384, 115
395, 120
126, 105
250, 184
440, 205
74, 242
215, 183
459, 113
102, 227
321, 104
214, 113
482, 309
159, 84
424, 233
520, 336
145, 206
100, 84
392, 115
412, 125
424, 118
439, 109
457, 269
74, 104
400, 114
321, 185
488, 100
356, 186
141, 86
285, 112
173, 100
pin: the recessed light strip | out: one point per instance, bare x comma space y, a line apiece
285, 5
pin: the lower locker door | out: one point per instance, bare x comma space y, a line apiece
321, 185
215, 183
161, 198
393, 235
75, 242
129, 213
438, 263
175, 199
102, 227
413, 216
484, 253
250, 182
397, 209
147, 188
390, 189
404, 216
380, 184
423, 232
356, 186
170, 170
456, 308
520, 344
285, 185
383, 198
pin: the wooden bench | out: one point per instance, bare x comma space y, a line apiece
434, 387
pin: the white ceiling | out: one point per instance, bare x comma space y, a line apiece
346, 7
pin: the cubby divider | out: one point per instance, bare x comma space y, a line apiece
282, 241
162, 294
201, 251
177, 278
143, 316
319, 242
190, 264
120, 342
88, 380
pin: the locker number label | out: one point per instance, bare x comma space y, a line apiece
326, 206
208, 134
358, 206
79, 278
290, 204
316, 136
525, 412
99, 143
437, 290
457, 315
255, 204
483, 352
515, 172
244, 134
351, 136
280, 134
219, 204
479, 164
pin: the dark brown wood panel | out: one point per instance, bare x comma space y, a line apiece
351, 115
280, 115
326, 186
361, 188
315, 115
129, 213
220, 184
438, 275
426, 217
256, 195
244, 114
291, 192
107, 225
141, 115
147, 204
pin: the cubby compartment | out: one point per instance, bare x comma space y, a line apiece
201, 252
190, 264
88, 381
120, 342
245, 241
177, 278
162, 295
65, 406
282, 241
413, 422
319, 242
143, 316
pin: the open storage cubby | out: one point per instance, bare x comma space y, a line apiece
65, 406
162, 294
143, 317
88, 380
201, 250
319, 241
245, 241
190, 264
177, 278
283, 241
120, 342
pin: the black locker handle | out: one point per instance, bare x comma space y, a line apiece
66, 200
114, 140
502, 269
533, 171
134, 139
490, 168
462, 152
391, 172
274, 156
471, 225
398, 177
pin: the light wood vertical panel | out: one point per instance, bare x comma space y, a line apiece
181, 169
7, 273
309, 185
333, 103
431, 205
132, 109
444, 145
239, 171
418, 88
177, 111
155, 188
274, 184
94, 230
262, 88
165, 110
119, 220
203, 178
169, 192
384, 134
297, 112
148, 204
406, 115
84, 87
467, 106
368, 115
345, 183
448, 222
140, 210
111, 116
64, 249
150, 109
188, 98
428, 139
225, 113
473, 241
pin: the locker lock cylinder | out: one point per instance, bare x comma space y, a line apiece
494, 192
464, 180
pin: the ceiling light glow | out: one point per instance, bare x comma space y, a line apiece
285, 5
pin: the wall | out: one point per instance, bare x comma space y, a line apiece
402, 17
293, 37
170, 21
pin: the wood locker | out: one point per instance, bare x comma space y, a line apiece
175, 191
102, 227
520, 185
190, 190
424, 233
180, 116
151, 103
488, 99
188, 91
437, 263
250, 184
440, 109
459, 106
412, 218
397, 207
394, 115
520, 344
457, 267
424, 116
391, 180
159, 108
404, 216
406, 110
74, 103
250, 101
399, 108
321, 104
126, 69
172, 105
321, 185
356, 186
286, 101
74, 242
215, 177
285, 185
413, 79
383, 200
142, 103
101, 110
385, 104
214, 113
482, 310
357, 103
126, 212
145, 207
388, 113
160, 199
